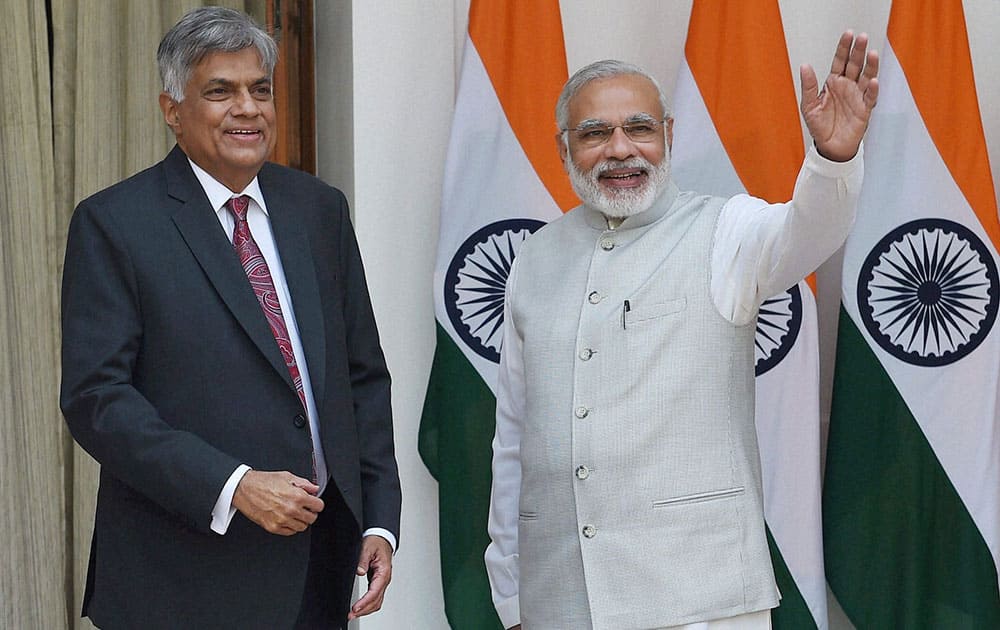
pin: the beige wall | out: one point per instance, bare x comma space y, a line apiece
402, 78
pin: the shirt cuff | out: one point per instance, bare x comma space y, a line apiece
509, 611
384, 533
816, 162
223, 512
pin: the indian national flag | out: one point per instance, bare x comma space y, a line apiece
735, 135
503, 180
912, 495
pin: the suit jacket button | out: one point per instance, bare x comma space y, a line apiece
299, 420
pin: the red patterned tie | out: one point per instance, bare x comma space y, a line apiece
263, 287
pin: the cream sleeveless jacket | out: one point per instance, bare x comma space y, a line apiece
640, 490
625, 433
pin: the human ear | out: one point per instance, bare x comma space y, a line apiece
563, 149
170, 114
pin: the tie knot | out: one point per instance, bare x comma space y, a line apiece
238, 207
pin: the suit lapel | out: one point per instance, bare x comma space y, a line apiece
292, 240
203, 234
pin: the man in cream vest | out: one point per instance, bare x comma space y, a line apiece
626, 474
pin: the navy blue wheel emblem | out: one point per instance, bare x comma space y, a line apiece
474, 284
928, 292
778, 322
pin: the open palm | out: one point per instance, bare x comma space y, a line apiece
837, 116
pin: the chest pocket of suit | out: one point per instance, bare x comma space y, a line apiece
640, 314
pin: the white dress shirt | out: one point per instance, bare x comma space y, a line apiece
260, 228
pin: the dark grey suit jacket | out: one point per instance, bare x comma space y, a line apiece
172, 378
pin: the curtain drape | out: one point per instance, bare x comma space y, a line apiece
78, 112
32, 524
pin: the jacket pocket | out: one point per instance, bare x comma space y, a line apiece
636, 313
700, 497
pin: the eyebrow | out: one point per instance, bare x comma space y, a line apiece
592, 122
228, 83
641, 117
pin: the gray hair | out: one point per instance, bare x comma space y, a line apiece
601, 70
207, 30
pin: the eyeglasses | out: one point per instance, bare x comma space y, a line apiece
595, 134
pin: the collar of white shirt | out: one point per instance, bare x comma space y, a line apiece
218, 194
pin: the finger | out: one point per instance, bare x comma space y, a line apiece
366, 605
312, 503
297, 524
871, 70
809, 86
282, 530
293, 517
871, 94
299, 510
372, 600
369, 602
307, 517
365, 559
304, 484
843, 52
288, 523
856, 61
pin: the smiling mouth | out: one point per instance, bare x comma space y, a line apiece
624, 178
243, 132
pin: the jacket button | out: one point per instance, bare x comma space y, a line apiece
581, 412
582, 472
589, 531
594, 297
299, 420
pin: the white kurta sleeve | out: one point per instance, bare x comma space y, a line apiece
501, 554
762, 249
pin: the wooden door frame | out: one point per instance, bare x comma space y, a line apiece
291, 23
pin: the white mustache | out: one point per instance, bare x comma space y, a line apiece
610, 165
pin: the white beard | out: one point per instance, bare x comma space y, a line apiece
619, 204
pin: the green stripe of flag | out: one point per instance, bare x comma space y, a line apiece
455, 442
792, 613
901, 549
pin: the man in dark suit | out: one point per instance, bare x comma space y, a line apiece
221, 363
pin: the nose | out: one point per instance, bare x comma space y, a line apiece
244, 104
619, 146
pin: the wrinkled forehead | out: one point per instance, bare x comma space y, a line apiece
241, 66
615, 100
